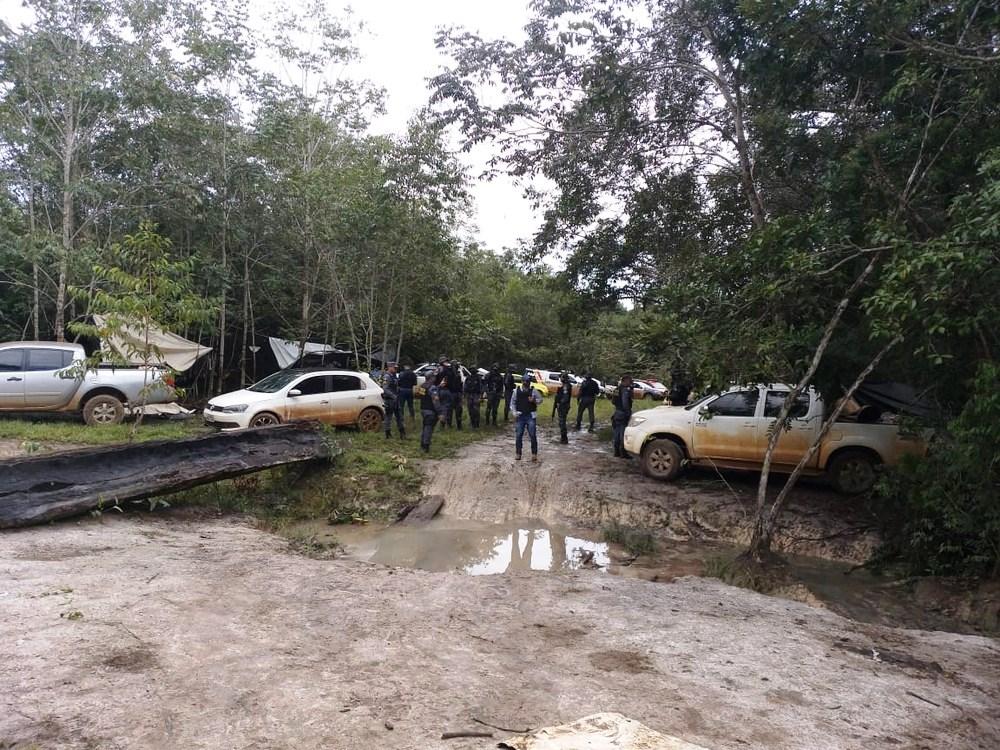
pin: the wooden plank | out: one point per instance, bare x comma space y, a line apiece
58, 485
423, 511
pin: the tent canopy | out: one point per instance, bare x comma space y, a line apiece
286, 352
168, 348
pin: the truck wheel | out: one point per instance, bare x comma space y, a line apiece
661, 459
370, 420
103, 409
852, 472
264, 419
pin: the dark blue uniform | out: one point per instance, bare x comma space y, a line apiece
407, 382
390, 398
493, 384
560, 406
432, 412
473, 391
509, 384
585, 401
619, 420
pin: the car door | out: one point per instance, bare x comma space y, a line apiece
12, 378
727, 426
44, 387
349, 395
795, 441
313, 400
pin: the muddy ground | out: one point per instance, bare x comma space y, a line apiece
155, 632
173, 630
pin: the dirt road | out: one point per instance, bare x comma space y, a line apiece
156, 632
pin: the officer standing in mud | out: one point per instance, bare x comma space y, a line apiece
509, 384
623, 413
432, 412
407, 382
493, 385
390, 399
561, 404
524, 403
586, 400
473, 390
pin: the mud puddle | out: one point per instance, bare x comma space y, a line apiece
477, 548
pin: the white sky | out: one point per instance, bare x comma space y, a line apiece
398, 54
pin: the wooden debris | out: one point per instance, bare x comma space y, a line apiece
59, 485
424, 511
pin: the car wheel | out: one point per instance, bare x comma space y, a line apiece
662, 459
370, 420
853, 472
264, 419
103, 410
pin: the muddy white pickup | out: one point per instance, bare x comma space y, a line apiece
43, 376
731, 430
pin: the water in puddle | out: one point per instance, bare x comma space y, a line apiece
467, 546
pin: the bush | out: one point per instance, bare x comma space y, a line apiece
940, 515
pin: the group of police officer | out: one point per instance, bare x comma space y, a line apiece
444, 394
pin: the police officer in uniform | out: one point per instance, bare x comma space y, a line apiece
493, 385
623, 413
509, 384
473, 390
390, 399
432, 411
561, 404
444, 395
407, 382
454, 377
586, 399
524, 403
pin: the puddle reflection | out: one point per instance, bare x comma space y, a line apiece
475, 549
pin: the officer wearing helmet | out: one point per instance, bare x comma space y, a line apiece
524, 403
562, 403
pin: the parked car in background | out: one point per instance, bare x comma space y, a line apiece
426, 368
731, 430
334, 397
651, 389
49, 376
551, 379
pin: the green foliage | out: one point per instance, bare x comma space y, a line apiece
941, 514
635, 541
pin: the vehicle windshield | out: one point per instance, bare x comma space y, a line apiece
275, 382
701, 400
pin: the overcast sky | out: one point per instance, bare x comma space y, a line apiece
399, 55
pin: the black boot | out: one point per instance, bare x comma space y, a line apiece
388, 434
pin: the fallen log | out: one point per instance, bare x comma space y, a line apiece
43, 488
423, 511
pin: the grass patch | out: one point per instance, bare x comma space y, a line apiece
635, 541
36, 433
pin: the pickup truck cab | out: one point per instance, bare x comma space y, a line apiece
731, 430
47, 376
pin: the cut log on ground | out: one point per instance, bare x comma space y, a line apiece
44, 488
423, 511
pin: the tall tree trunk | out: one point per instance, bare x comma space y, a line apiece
246, 319
35, 306
402, 325
69, 148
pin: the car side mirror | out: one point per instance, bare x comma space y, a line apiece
295, 392
704, 413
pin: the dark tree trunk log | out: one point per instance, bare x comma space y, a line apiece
60, 485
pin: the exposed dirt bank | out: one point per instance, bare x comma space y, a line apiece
583, 484
155, 632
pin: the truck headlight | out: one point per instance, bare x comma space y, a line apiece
237, 409
636, 421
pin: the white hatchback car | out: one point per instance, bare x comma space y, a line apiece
335, 397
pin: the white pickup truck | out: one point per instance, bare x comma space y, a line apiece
731, 430
45, 376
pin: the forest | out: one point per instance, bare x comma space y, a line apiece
805, 191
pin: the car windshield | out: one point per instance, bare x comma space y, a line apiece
275, 382
701, 400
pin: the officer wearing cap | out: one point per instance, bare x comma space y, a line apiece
524, 403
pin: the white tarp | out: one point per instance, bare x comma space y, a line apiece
286, 352
605, 731
174, 351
